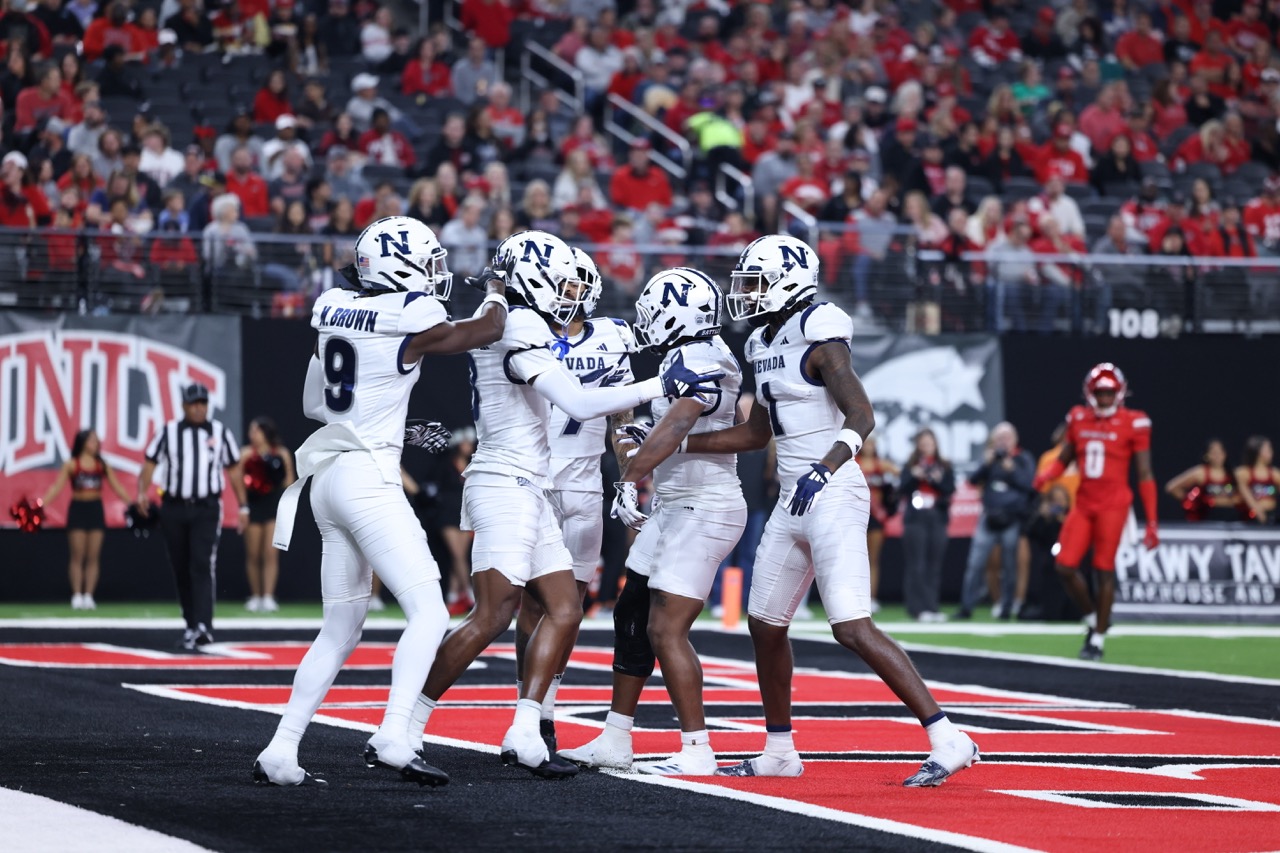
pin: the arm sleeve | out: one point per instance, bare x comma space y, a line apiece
583, 404
158, 444
1141, 432
313, 391
230, 450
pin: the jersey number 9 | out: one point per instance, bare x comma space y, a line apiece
339, 374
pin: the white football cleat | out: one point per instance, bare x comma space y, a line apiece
274, 769
699, 761
950, 758
766, 765
526, 749
606, 751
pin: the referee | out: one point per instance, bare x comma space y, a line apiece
193, 451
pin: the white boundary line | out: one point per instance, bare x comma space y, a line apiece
1064, 662
32, 822
982, 629
1219, 804
967, 842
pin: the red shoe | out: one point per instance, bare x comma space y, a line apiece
461, 607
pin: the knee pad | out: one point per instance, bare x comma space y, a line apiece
344, 623
632, 651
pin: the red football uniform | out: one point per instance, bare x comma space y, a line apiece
1104, 446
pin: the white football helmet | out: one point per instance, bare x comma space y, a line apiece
773, 273
543, 271
589, 276
677, 304
400, 253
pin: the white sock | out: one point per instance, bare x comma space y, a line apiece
339, 634
422, 709
528, 712
1092, 620
1096, 639
941, 732
695, 739
415, 652
519, 689
620, 721
779, 743
549, 701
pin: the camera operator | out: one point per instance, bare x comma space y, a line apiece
1005, 479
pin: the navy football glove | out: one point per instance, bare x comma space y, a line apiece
808, 487
429, 435
483, 281
632, 435
681, 381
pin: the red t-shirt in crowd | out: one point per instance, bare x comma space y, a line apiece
627, 189
437, 81
252, 192
488, 19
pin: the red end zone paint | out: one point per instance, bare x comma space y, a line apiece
1060, 774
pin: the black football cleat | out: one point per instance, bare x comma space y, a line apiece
189, 640
554, 767
1089, 651
547, 728
260, 777
203, 635
416, 770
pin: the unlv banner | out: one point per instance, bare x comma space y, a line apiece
1200, 571
121, 376
950, 383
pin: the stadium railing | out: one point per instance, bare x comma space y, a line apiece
898, 288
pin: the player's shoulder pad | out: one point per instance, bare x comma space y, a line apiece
328, 300
1078, 413
755, 342
624, 332
420, 312
1139, 419
526, 329
823, 321
706, 355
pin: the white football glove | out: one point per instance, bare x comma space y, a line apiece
626, 506
631, 436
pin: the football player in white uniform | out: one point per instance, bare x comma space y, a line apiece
814, 406
597, 350
699, 517
518, 544
367, 359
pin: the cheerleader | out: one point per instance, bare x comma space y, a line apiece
1257, 480
85, 520
268, 471
1208, 491
881, 476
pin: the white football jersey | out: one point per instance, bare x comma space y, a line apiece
703, 480
511, 417
601, 356
366, 383
804, 417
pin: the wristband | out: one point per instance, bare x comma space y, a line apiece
244, 509
495, 298
850, 438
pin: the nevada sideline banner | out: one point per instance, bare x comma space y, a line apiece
1199, 571
122, 376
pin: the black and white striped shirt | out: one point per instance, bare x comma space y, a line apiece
192, 456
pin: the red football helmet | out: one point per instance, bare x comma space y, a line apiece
1105, 377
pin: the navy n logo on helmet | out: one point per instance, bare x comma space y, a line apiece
543, 254
680, 294
389, 242
794, 257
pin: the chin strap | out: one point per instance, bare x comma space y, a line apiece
1147, 491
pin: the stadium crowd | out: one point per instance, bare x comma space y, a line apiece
162, 141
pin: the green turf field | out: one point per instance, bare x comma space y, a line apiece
1256, 655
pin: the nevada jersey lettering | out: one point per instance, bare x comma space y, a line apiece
600, 357
366, 383
804, 418
511, 417
703, 480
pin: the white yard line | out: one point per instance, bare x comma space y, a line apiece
37, 824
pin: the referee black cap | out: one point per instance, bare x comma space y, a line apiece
195, 393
